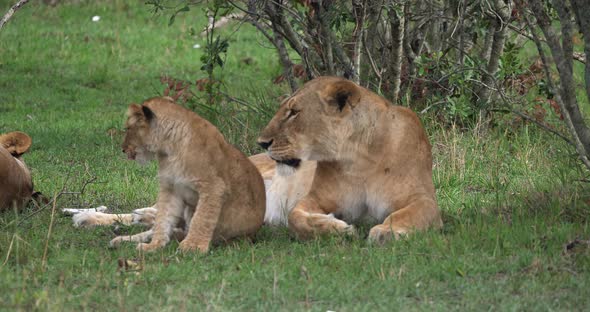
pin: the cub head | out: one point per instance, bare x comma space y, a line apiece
16, 143
138, 129
314, 123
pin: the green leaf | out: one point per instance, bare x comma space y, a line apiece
173, 17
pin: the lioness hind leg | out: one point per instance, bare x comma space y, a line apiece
419, 215
307, 220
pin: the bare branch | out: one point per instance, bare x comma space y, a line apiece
500, 17
535, 121
397, 24
565, 89
11, 12
285, 61
360, 12
581, 57
582, 13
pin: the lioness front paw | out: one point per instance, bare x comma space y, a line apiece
190, 246
329, 223
381, 234
350, 230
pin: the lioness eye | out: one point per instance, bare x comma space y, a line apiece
292, 113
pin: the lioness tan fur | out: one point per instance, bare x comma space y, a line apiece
373, 160
16, 186
205, 183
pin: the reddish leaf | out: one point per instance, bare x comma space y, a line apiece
555, 107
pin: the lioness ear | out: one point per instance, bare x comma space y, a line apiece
147, 112
17, 143
341, 93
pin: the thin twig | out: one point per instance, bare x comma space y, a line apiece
9, 249
89, 181
535, 121
49, 231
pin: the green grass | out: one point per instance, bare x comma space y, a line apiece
511, 201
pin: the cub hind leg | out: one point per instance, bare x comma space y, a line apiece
144, 237
169, 214
202, 225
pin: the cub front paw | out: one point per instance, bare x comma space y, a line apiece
190, 246
147, 247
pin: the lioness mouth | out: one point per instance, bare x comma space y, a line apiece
294, 162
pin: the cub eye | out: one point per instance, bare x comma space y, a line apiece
292, 113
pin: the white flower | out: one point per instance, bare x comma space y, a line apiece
196, 46
96, 18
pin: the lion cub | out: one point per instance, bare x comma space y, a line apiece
207, 186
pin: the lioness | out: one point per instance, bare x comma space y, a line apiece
373, 159
16, 186
206, 184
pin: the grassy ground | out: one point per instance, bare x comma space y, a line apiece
511, 201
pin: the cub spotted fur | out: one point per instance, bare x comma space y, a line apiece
208, 189
373, 160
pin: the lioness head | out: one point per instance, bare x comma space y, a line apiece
314, 123
137, 133
16, 143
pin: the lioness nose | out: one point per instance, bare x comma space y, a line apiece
264, 144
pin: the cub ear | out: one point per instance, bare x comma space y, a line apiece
140, 111
340, 94
147, 112
17, 143
134, 110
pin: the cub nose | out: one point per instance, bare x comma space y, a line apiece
264, 144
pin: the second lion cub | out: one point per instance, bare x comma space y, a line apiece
207, 187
